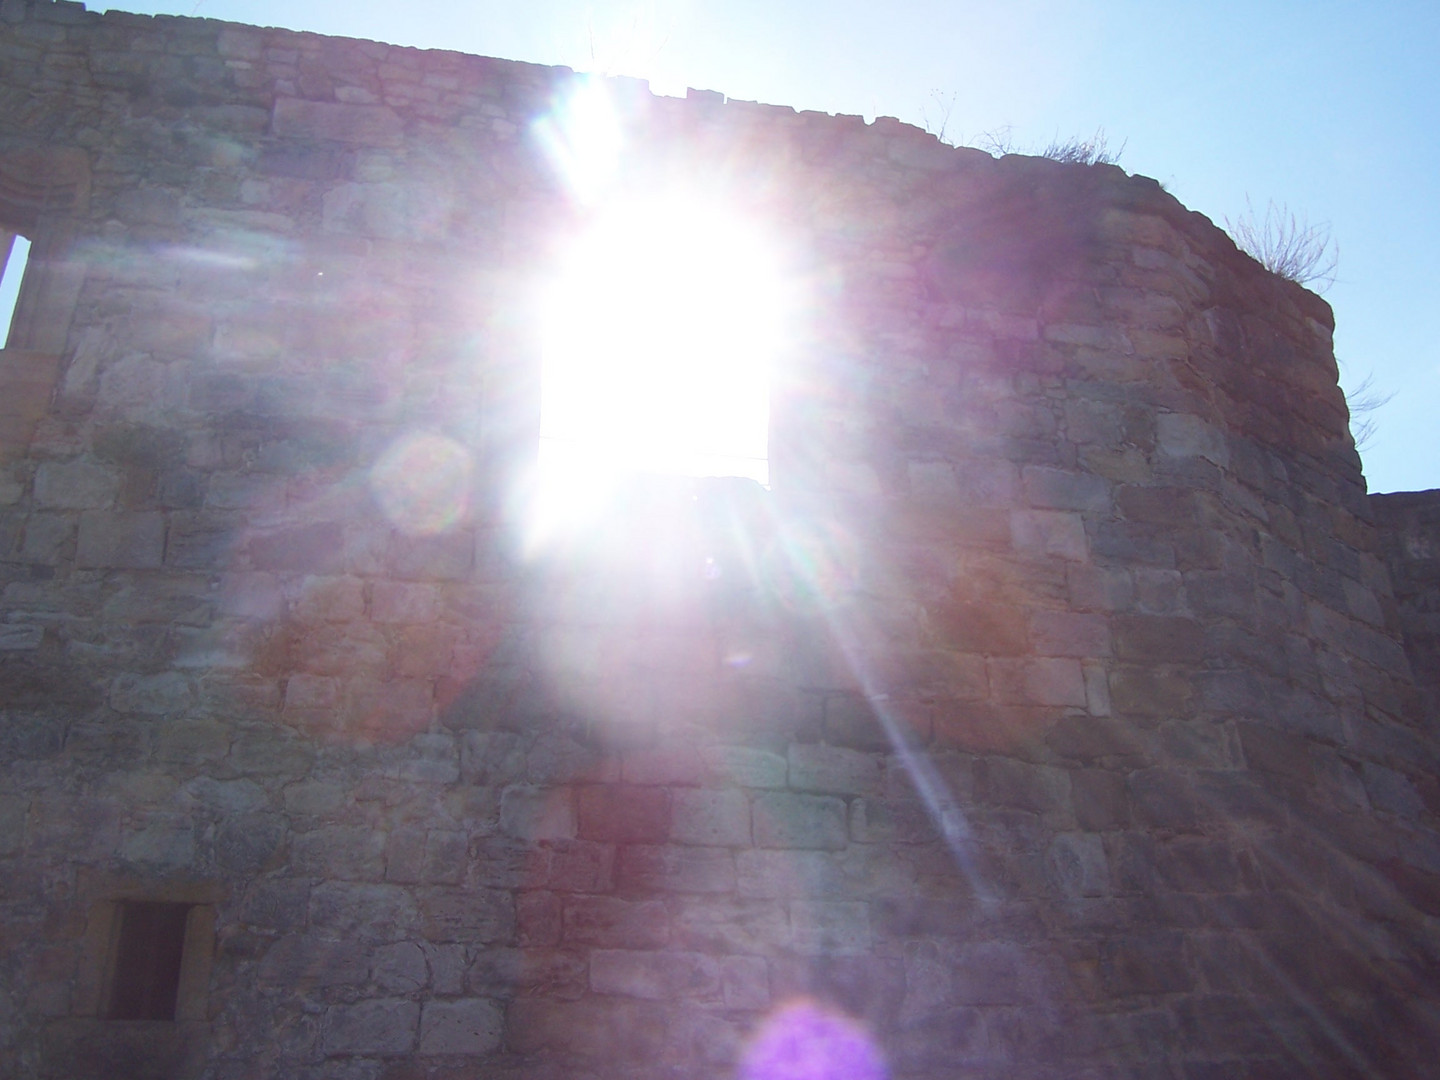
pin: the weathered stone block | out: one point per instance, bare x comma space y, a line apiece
315, 549
833, 769
537, 919
241, 43
1150, 691
363, 912
830, 927
20, 638
981, 629
658, 976
425, 651
601, 1029
1099, 799
683, 763
531, 813
48, 538
395, 601
783, 873
624, 813
277, 905
1062, 633
892, 821
444, 856
12, 823
372, 125
503, 973
1059, 489
710, 816
334, 599
75, 485
399, 968
645, 869
1052, 533
610, 922
468, 915
1180, 435
121, 541
165, 845
1088, 739
1164, 798
490, 757
745, 982
1022, 786
1175, 507
783, 820
1391, 791
1278, 752
1042, 681
991, 973
470, 1026
306, 961
559, 759
1077, 865
165, 694
720, 924
450, 556
372, 1027
1159, 639
1133, 964
580, 866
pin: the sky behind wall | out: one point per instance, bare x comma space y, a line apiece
1330, 108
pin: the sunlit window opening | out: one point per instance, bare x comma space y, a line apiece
658, 338
15, 254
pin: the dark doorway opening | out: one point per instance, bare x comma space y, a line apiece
148, 954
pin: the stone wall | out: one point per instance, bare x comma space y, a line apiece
1409, 528
1048, 715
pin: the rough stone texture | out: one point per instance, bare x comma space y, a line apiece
1052, 714
1409, 529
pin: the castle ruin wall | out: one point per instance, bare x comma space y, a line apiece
1049, 715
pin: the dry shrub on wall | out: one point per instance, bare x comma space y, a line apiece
1072, 151
1363, 401
1077, 151
1287, 244
936, 117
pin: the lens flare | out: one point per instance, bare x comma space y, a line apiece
583, 139
813, 567
805, 1041
422, 483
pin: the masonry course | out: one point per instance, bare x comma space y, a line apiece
1102, 744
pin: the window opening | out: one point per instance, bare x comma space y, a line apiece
150, 947
658, 335
14, 256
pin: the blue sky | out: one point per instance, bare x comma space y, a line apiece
1329, 108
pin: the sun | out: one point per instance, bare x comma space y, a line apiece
658, 333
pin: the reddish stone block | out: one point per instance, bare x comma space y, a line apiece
613, 923
624, 813
648, 870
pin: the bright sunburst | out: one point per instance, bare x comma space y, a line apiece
658, 337
659, 326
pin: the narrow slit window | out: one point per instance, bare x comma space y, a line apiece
15, 255
149, 951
